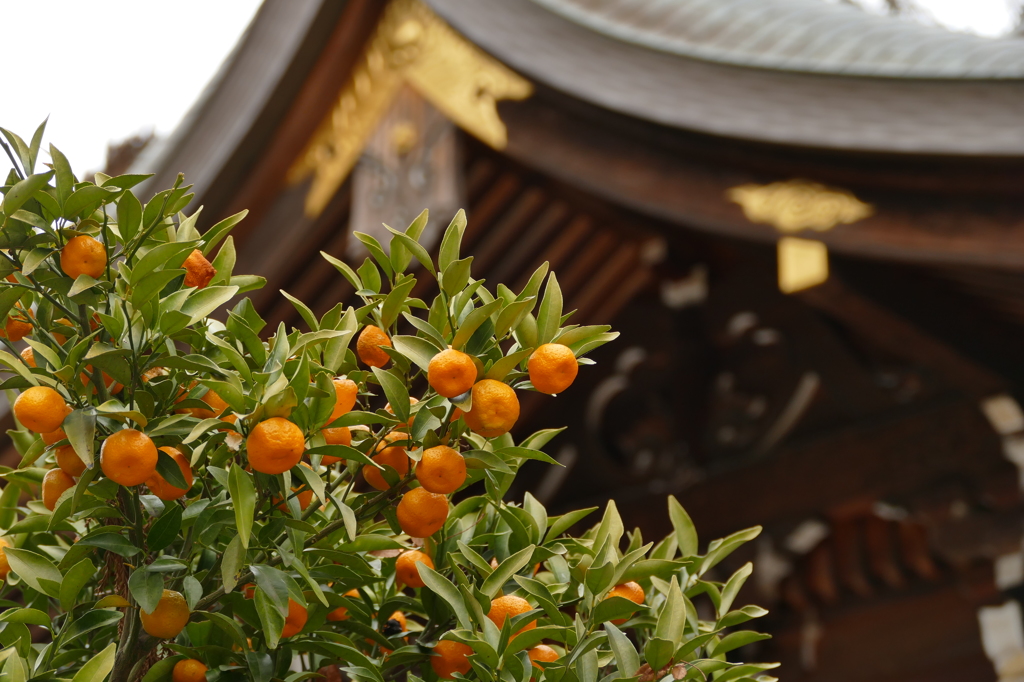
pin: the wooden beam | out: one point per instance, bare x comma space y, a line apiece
890, 458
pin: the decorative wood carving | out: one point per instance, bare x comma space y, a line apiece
411, 45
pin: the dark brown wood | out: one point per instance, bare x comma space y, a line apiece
639, 167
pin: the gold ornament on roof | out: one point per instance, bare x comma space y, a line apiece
410, 45
795, 205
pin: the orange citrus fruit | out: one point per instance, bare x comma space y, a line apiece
631, 591
450, 657
552, 368
159, 486
451, 373
5, 565
83, 255
441, 470
368, 346
542, 653
55, 482
128, 457
69, 461
198, 271
17, 325
28, 356
275, 445
507, 607
341, 613
55, 436
346, 392
189, 670
389, 410
393, 456
495, 408
406, 571
211, 398
40, 409
295, 620
336, 436
168, 618
422, 513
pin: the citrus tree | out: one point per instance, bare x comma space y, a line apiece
204, 498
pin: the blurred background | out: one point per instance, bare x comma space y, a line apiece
804, 216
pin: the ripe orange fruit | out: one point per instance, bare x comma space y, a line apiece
28, 356
346, 392
552, 368
69, 461
336, 436
18, 325
198, 271
5, 565
189, 670
368, 346
168, 618
55, 436
631, 591
211, 398
55, 482
422, 513
68, 328
275, 445
507, 607
405, 567
441, 470
393, 456
451, 373
159, 486
541, 652
341, 613
83, 255
495, 408
450, 657
40, 409
295, 620
128, 457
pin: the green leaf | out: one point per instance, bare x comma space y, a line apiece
98, 667
395, 301
36, 570
166, 528
243, 498
626, 656
560, 524
303, 310
215, 234
482, 459
505, 570
112, 542
444, 589
65, 178
550, 314
202, 302
314, 481
80, 426
74, 580
741, 616
737, 639
500, 369
733, 586
147, 587
473, 322
672, 618
396, 392
345, 270
452, 241
658, 652
686, 533
129, 216
455, 278
275, 584
231, 564
270, 618
86, 200
23, 191
26, 616
417, 349
415, 248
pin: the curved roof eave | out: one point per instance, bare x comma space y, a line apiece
787, 35
834, 111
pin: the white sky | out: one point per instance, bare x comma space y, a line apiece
103, 70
